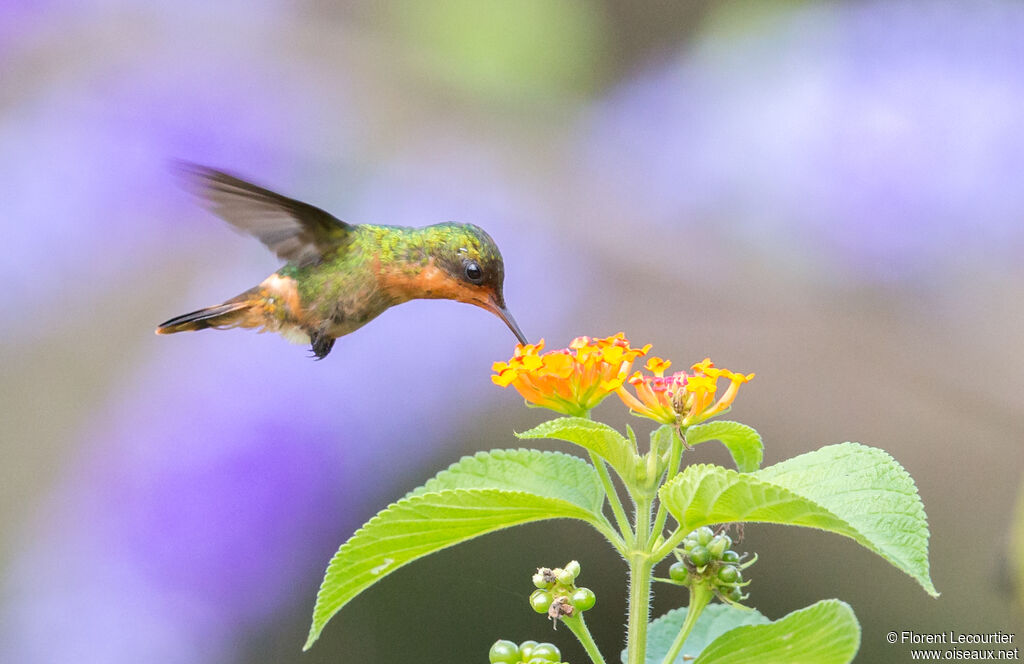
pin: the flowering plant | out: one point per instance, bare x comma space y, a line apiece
680, 512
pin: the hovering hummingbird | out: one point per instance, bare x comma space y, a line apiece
338, 276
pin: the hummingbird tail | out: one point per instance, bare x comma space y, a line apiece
229, 314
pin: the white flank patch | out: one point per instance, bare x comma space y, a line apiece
294, 335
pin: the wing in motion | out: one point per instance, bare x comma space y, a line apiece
297, 232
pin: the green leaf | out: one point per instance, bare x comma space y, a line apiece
872, 492
550, 474
743, 442
849, 489
416, 526
715, 620
599, 438
824, 633
662, 438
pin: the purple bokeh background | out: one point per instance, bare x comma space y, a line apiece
866, 139
823, 189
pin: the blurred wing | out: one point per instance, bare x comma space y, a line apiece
297, 232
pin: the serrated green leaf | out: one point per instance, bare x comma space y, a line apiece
715, 620
868, 497
826, 632
705, 494
416, 526
872, 492
743, 442
599, 438
551, 474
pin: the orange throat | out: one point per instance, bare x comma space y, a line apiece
430, 282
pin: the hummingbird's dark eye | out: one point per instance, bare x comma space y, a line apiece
473, 272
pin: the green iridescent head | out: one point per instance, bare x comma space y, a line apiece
468, 255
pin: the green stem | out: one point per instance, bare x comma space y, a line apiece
673, 469
640, 566
700, 595
613, 498
578, 627
672, 542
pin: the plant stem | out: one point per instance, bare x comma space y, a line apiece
640, 565
700, 595
672, 542
613, 498
578, 627
673, 469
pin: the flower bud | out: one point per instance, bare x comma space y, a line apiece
678, 572
526, 649
546, 652
583, 599
540, 600
504, 652
700, 556
703, 535
718, 546
730, 574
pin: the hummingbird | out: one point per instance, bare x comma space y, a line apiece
338, 276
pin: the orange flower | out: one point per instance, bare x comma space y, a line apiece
682, 398
571, 380
657, 366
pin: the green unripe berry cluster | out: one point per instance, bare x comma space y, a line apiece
527, 652
708, 559
557, 594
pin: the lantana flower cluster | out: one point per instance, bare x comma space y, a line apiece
574, 380
570, 380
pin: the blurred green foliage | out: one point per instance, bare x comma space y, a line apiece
530, 49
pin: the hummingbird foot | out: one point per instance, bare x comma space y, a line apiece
322, 343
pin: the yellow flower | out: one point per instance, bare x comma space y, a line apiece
657, 366
571, 380
656, 395
682, 398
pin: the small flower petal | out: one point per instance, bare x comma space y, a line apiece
657, 366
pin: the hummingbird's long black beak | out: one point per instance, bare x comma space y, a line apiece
501, 311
